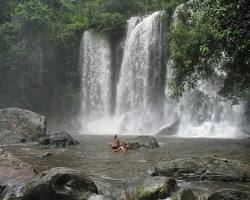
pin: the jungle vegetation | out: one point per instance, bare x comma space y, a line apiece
39, 42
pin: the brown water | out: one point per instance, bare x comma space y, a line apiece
109, 169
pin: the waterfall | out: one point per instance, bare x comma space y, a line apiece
95, 61
201, 112
140, 91
138, 101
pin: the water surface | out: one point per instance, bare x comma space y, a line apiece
110, 169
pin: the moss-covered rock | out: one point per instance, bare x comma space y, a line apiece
153, 188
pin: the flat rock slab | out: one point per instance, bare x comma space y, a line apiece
143, 142
203, 168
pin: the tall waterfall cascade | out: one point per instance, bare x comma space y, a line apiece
140, 91
142, 99
95, 63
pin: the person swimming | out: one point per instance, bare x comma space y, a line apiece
122, 149
115, 144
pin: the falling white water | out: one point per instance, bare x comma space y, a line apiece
95, 61
203, 113
139, 94
142, 102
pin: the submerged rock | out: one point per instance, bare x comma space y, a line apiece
59, 139
229, 195
169, 130
23, 140
47, 154
98, 197
184, 194
55, 184
204, 168
143, 142
152, 188
17, 125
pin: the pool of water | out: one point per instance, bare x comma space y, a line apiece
109, 169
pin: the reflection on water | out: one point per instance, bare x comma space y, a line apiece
109, 169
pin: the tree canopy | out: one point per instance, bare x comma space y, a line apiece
208, 36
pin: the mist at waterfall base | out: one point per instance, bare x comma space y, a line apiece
138, 101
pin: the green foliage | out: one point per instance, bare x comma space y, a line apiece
4, 11
69, 20
124, 7
207, 35
39, 45
34, 54
32, 16
108, 23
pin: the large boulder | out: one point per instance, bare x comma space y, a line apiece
143, 142
229, 195
55, 184
62, 138
17, 125
203, 168
152, 188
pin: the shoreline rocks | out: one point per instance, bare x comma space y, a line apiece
8, 160
12, 169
